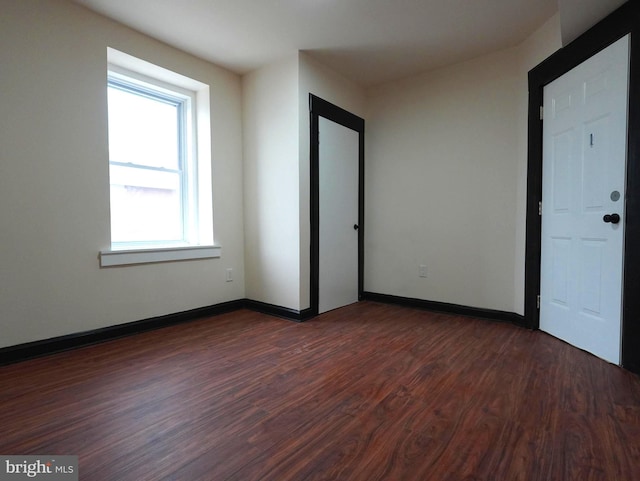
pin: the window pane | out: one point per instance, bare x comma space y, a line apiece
143, 130
146, 205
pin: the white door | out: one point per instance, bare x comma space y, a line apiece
584, 163
338, 251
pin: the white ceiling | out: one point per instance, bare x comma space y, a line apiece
369, 41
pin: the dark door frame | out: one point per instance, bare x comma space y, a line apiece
625, 20
321, 108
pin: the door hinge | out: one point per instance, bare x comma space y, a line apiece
538, 301
541, 112
540, 208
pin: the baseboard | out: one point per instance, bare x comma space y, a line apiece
284, 312
494, 315
29, 350
21, 352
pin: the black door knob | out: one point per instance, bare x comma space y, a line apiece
356, 226
612, 218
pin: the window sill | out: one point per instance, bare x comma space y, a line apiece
112, 258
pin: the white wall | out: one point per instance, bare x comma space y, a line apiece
325, 83
277, 158
446, 172
444, 167
272, 230
54, 185
578, 16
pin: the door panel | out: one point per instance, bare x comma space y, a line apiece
591, 255
584, 163
338, 161
560, 270
594, 165
562, 146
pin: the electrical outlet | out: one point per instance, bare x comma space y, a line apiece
422, 271
229, 277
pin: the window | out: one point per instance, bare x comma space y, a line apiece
159, 166
149, 164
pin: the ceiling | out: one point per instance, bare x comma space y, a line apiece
368, 41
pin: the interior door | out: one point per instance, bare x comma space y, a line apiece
583, 202
338, 159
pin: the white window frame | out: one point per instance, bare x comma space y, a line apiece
197, 241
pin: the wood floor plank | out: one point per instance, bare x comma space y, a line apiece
367, 392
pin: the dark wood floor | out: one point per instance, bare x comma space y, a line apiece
367, 392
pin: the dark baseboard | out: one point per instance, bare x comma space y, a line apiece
21, 352
284, 312
490, 314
